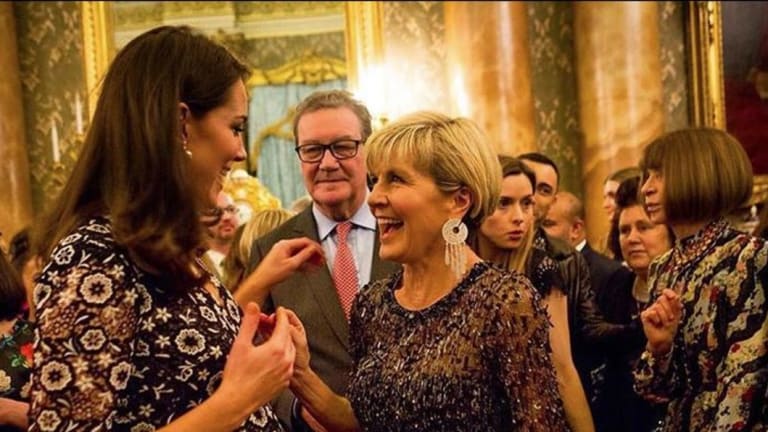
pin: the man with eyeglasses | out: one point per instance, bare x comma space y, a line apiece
330, 129
222, 232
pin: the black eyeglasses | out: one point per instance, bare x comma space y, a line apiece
341, 149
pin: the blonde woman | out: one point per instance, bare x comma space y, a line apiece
449, 342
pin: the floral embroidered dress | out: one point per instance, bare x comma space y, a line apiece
16, 361
716, 374
477, 360
115, 351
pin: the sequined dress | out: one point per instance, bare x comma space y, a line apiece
115, 351
476, 360
717, 374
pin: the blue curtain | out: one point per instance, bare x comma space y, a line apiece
278, 166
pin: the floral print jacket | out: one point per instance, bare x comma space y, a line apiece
716, 374
115, 351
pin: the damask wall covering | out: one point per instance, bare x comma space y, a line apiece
414, 46
51, 62
50, 52
414, 50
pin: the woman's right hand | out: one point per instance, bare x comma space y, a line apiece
286, 257
661, 320
254, 375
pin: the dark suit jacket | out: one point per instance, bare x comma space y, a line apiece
312, 296
604, 271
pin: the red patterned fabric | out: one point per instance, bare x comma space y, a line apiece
344, 270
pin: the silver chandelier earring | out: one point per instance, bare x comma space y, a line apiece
455, 234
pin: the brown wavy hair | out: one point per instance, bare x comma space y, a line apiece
132, 166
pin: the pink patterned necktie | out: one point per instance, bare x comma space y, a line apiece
344, 271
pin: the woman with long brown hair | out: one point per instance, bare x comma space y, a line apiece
134, 332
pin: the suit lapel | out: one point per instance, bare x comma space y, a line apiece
320, 283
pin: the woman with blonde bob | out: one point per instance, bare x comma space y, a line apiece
449, 342
706, 329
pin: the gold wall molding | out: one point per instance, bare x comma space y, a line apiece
705, 63
98, 47
309, 69
364, 46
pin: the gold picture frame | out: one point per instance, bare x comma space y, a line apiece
704, 39
363, 42
706, 75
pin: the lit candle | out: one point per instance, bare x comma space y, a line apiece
55, 142
78, 114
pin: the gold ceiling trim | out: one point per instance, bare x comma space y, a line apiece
705, 63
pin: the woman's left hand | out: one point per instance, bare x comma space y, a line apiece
299, 337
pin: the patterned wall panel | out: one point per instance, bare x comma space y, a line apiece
414, 49
50, 56
673, 71
550, 37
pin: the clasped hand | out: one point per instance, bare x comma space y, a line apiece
661, 320
256, 373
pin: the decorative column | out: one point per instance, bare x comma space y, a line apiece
15, 192
620, 93
489, 70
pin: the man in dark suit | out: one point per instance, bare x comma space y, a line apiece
565, 220
330, 129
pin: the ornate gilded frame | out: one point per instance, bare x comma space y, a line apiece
363, 50
704, 35
705, 63
362, 30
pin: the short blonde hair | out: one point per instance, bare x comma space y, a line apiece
260, 224
453, 151
706, 173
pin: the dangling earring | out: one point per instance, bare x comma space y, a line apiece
455, 234
186, 149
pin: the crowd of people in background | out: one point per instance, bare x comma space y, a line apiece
424, 282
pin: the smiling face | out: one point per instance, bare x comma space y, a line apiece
215, 141
653, 192
410, 211
513, 217
640, 239
337, 187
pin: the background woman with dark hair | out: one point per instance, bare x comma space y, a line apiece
134, 332
640, 241
15, 350
707, 326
